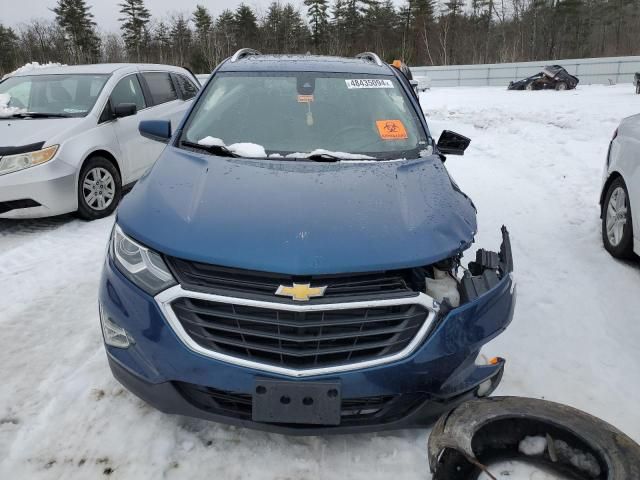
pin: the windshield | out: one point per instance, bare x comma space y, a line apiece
297, 114
56, 95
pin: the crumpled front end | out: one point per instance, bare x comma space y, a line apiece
380, 350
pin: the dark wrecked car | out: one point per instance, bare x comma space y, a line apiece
551, 77
293, 260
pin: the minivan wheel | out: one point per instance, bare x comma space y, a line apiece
617, 230
99, 189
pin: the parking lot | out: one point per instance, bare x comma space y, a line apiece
534, 164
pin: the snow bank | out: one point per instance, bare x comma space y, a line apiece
28, 67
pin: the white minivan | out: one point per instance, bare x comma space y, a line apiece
69, 139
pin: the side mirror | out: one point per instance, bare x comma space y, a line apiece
124, 110
452, 143
158, 130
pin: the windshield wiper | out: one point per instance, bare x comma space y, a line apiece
40, 115
322, 157
219, 150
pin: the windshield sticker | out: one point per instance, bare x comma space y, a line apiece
391, 130
368, 83
305, 98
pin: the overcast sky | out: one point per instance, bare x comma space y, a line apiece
14, 12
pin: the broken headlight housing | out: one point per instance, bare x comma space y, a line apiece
141, 265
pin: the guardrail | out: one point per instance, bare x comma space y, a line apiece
608, 70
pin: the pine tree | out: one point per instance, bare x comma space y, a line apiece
225, 29
246, 26
202, 21
9, 42
203, 56
418, 27
134, 25
180, 39
162, 41
317, 11
74, 17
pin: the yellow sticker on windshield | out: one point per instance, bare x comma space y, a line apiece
305, 98
391, 130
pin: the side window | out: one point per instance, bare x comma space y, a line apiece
128, 90
187, 88
161, 87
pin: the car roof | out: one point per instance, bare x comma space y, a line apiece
304, 63
97, 68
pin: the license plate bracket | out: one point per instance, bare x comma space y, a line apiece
313, 403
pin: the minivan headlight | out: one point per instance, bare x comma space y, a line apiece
141, 265
13, 163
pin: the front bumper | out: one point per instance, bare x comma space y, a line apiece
412, 410
411, 392
51, 185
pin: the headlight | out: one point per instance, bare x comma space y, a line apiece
142, 266
12, 163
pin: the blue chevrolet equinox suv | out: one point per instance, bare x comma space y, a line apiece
293, 260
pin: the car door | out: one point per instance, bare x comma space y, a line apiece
138, 152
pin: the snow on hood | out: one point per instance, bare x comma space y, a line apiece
5, 109
253, 150
28, 67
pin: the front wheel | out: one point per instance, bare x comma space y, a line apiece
99, 189
617, 230
561, 86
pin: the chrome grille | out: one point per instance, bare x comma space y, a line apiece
299, 340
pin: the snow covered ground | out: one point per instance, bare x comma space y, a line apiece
534, 164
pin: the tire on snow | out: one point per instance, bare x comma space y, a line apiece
86, 211
484, 430
624, 249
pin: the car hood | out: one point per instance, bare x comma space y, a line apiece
299, 218
15, 132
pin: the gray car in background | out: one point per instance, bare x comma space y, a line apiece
69, 139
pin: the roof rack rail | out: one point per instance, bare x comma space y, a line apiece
244, 52
372, 57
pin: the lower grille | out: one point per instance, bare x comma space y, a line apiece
299, 339
17, 204
239, 405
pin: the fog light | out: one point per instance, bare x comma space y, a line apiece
114, 335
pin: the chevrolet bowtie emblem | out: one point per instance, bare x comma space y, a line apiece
301, 292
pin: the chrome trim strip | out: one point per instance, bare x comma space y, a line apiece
165, 298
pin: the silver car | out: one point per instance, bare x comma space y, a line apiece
69, 139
